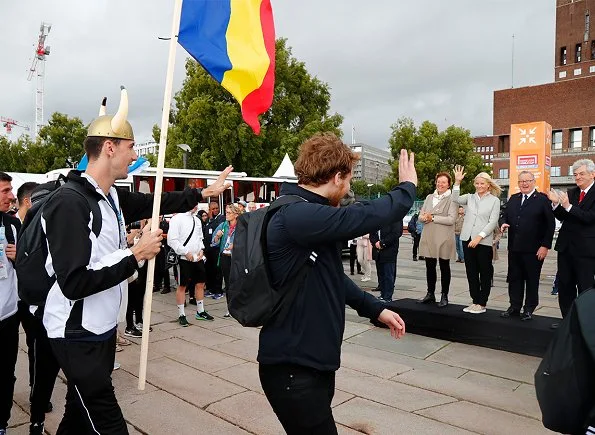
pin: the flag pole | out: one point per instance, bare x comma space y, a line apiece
173, 42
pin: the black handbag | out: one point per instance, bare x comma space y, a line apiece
171, 258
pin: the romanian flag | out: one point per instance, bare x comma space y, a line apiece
234, 40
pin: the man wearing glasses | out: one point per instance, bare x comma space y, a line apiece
575, 244
530, 222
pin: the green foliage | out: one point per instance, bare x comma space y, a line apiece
207, 118
435, 151
361, 189
60, 140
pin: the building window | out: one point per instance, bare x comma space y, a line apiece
592, 137
593, 49
587, 25
555, 171
570, 171
503, 174
577, 72
562, 75
563, 56
576, 139
577, 52
557, 140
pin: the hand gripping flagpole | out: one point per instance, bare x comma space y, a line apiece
173, 42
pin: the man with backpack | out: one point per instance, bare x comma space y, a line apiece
84, 223
299, 351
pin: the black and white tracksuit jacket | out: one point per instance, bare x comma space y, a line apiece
8, 286
91, 272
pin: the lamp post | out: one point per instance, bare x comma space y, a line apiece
377, 164
369, 193
186, 148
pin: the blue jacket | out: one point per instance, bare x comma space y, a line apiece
312, 332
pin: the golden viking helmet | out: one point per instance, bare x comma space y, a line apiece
115, 126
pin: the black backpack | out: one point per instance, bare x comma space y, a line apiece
251, 298
34, 283
565, 379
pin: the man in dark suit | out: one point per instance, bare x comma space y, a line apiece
385, 248
576, 238
530, 222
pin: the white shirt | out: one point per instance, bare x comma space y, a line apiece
180, 227
528, 195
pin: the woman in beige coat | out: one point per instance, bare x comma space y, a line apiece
437, 243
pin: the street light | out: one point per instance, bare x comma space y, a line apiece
377, 177
369, 193
186, 148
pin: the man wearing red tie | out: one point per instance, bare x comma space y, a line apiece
576, 239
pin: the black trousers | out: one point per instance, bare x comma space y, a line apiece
353, 259
575, 275
478, 265
45, 372
416, 239
91, 406
301, 397
387, 274
225, 264
214, 275
9, 338
161, 271
524, 270
26, 319
431, 276
136, 296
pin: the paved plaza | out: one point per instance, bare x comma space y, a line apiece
204, 378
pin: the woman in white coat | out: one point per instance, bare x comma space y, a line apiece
481, 218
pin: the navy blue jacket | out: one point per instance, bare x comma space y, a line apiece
388, 236
312, 332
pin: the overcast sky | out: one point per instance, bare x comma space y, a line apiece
438, 60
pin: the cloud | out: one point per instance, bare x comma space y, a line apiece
428, 59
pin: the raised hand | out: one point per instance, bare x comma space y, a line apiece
553, 196
407, 168
219, 186
459, 172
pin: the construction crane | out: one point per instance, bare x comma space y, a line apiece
9, 123
38, 66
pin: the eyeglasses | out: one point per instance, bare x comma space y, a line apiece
526, 181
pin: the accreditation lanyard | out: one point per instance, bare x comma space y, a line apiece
121, 227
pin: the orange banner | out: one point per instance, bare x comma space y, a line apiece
530, 147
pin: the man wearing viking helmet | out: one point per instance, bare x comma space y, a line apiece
85, 230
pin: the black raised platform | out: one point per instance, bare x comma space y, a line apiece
488, 329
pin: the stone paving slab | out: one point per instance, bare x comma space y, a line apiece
203, 337
404, 360
377, 419
18, 417
245, 349
490, 361
201, 358
353, 329
388, 392
489, 381
189, 384
412, 345
244, 375
374, 366
484, 420
515, 402
162, 413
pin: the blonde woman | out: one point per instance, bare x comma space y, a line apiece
481, 218
437, 243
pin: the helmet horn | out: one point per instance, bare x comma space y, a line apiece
102, 108
119, 119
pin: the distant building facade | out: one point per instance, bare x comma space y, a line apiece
373, 166
145, 148
566, 104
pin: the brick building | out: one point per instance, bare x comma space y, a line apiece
567, 104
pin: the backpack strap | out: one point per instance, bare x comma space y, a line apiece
91, 201
292, 288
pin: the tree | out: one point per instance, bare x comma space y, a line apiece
208, 119
360, 188
61, 141
435, 151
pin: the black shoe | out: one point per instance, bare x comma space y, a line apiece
49, 408
414, 258
352, 273
422, 257
133, 332
554, 325
554, 291
156, 289
192, 301
165, 291
359, 272
510, 312
527, 315
443, 301
429, 298
36, 429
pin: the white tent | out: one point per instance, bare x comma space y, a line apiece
285, 169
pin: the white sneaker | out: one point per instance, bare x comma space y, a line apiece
364, 279
477, 309
116, 365
469, 308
